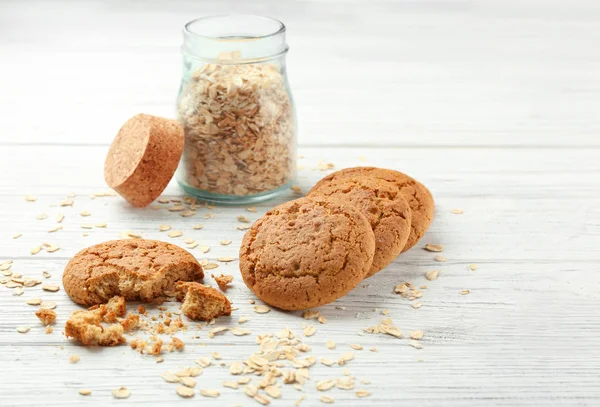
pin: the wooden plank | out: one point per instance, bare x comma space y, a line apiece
525, 335
387, 73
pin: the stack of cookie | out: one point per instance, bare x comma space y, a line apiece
314, 250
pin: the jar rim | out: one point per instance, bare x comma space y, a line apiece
254, 38
187, 27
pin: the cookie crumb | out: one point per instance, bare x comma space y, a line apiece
223, 281
473, 267
74, 359
46, 316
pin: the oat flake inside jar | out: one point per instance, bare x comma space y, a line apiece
236, 109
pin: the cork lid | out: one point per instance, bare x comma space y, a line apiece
143, 158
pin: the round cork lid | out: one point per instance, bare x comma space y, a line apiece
143, 158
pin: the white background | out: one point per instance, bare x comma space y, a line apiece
492, 104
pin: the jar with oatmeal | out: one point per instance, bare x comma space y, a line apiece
236, 109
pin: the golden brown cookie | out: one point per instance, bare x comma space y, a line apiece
385, 209
136, 269
416, 194
307, 252
143, 158
200, 302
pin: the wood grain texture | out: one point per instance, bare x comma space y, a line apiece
366, 72
493, 105
525, 335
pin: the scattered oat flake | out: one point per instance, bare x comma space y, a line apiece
440, 258
86, 226
184, 391
59, 218
236, 368
169, 377
42, 216
36, 250
225, 242
251, 209
52, 248
261, 309
310, 330
55, 229
84, 213
48, 304
85, 392
345, 357
330, 344
326, 400
225, 259
273, 391
74, 359
210, 393
175, 233
50, 287
243, 319
415, 344
325, 385
473, 267
46, 274
188, 381
231, 384
416, 305
322, 166
237, 331
243, 227
418, 334
30, 198
66, 202
18, 291
356, 346
464, 292
204, 249
23, 329
163, 200
432, 275
217, 330
457, 211
327, 362
374, 349
362, 393
434, 247
300, 400
34, 301
164, 228
100, 225
243, 219
198, 226
17, 235
121, 393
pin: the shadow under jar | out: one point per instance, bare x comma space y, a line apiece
236, 109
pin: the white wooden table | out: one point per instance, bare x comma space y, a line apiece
493, 105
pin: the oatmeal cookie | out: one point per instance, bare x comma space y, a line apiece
307, 252
136, 269
416, 194
385, 209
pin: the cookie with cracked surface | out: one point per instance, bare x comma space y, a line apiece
416, 194
136, 269
384, 207
307, 252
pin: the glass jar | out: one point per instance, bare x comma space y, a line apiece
236, 109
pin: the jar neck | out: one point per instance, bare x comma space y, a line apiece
234, 39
